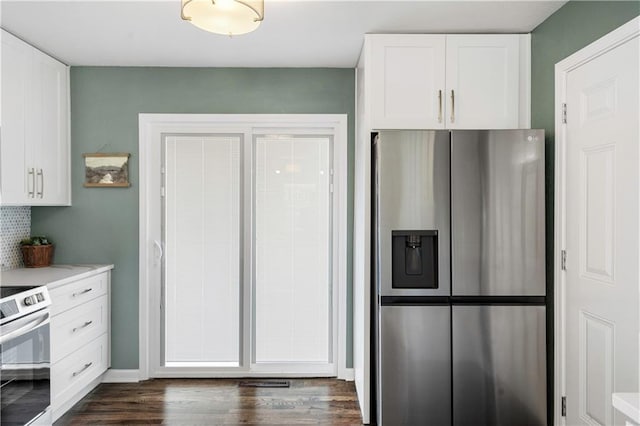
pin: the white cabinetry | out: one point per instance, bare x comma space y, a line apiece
408, 77
35, 147
404, 81
430, 81
79, 339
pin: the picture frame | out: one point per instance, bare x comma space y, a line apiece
106, 170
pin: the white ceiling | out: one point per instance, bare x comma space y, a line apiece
295, 33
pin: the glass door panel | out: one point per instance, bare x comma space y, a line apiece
292, 248
202, 275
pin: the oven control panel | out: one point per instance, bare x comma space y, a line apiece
8, 309
33, 299
19, 303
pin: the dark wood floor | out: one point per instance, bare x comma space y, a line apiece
217, 402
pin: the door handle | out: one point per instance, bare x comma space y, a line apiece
439, 106
22, 328
453, 106
160, 252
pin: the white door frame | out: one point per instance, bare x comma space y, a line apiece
151, 129
599, 47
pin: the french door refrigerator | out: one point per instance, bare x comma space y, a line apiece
459, 276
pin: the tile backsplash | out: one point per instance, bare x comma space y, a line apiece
15, 224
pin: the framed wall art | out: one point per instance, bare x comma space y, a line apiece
103, 170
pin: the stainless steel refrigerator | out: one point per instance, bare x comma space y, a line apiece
459, 276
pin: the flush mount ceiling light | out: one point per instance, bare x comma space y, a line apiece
228, 17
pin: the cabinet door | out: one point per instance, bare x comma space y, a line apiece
35, 141
408, 81
483, 76
51, 118
17, 182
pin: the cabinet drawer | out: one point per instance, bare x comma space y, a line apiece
74, 328
71, 295
76, 371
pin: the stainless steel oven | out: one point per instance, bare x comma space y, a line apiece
25, 371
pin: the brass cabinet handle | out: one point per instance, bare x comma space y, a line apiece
32, 173
439, 106
453, 106
82, 369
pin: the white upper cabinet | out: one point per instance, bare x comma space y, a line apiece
408, 79
483, 76
429, 81
35, 149
14, 152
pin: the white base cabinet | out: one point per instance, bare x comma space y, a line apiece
452, 81
35, 149
80, 342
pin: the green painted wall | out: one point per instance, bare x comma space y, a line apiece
102, 224
572, 27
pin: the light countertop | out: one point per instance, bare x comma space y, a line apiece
52, 276
628, 404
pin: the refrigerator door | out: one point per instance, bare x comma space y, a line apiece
499, 365
497, 216
415, 363
411, 213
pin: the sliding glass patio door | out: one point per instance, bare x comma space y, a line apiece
248, 283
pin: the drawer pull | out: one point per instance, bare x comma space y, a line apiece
83, 369
86, 290
86, 324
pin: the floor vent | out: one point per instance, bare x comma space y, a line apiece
264, 384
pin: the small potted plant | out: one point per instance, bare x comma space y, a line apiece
37, 252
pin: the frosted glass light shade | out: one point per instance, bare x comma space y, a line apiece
228, 17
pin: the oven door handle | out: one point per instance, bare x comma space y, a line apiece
21, 327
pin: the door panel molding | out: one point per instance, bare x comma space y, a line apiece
596, 365
597, 227
600, 99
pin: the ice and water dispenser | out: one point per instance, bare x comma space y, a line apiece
414, 261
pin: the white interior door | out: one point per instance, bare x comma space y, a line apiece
602, 233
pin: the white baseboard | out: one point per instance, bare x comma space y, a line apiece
121, 376
133, 376
347, 374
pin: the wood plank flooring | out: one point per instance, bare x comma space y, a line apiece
217, 402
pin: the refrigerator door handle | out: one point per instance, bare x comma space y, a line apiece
439, 106
453, 106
